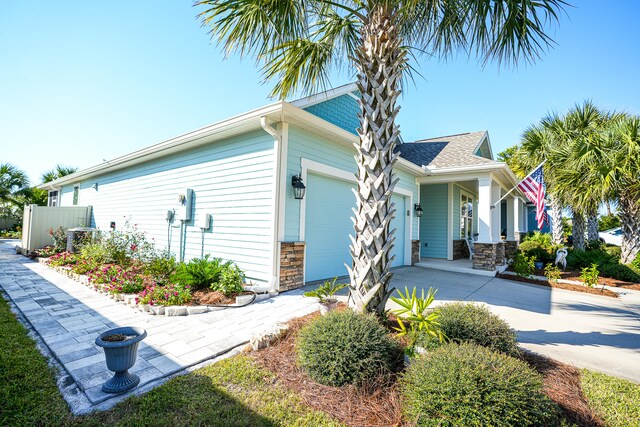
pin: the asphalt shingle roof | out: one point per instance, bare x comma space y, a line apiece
446, 151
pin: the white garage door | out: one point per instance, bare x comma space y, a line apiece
328, 226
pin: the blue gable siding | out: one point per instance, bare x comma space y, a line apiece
434, 222
341, 111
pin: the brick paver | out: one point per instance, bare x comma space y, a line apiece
69, 316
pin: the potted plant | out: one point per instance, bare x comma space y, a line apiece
120, 349
325, 294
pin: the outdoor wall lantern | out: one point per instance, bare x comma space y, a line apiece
95, 186
418, 210
298, 187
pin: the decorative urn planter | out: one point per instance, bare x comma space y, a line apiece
120, 349
539, 265
327, 306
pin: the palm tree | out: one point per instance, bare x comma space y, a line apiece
58, 172
14, 185
300, 42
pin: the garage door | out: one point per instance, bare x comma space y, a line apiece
328, 226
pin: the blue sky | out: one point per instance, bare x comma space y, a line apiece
85, 81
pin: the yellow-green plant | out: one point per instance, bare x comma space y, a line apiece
590, 275
415, 311
553, 273
523, 265
325, 292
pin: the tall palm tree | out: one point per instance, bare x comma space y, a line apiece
58, 172
300, 41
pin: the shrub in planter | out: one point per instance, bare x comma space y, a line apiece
345, 347
466, 384
161, 267
94, 251
165, 295
466, 322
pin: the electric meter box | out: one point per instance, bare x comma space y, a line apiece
204, 222
183, 208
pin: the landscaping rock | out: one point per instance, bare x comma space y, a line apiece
266, 338
197, 309
175, 310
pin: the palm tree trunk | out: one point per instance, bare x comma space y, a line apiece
380, 60
578, 229
556, 220
592, 226
629, 211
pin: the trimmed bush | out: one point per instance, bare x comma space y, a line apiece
469, 385
621, 272
465, 322
344, 347
580, 259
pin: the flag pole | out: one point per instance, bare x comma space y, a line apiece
530, 173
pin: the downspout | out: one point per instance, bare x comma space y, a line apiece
277, 149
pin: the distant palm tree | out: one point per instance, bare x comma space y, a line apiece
300, 42
14, 186
58, 172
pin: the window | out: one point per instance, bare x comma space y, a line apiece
466, 216
76, 192
53, 198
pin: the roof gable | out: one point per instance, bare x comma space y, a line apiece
451, 151
338, 106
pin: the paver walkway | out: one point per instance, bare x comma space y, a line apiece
586, 330
69, 316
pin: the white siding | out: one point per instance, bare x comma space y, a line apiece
232, 180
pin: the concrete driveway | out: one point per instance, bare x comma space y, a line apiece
588, 331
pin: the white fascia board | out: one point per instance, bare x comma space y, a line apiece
324, 96
224, 129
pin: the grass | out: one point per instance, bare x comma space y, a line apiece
616, 400
232, 392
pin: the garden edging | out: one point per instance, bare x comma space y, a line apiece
159, 310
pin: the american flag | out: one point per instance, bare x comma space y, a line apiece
533, 187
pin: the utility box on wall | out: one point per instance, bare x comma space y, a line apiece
183, 209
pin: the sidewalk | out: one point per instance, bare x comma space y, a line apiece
67, 317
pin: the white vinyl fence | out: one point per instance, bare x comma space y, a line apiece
37, 221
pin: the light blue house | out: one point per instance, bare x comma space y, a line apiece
238, 174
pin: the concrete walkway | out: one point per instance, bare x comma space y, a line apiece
66, 317
585, 330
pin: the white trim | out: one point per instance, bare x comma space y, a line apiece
450, 222
324, 96
318, 168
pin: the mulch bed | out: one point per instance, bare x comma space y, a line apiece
209, 297
615, 283
380, 405
598, 290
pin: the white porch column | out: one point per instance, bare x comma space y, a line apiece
518, 217
484, 210
512, 216
496, 224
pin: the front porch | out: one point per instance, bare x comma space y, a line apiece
471, 222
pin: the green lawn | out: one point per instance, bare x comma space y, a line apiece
616, 400
233, 392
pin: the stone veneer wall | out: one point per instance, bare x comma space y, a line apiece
500, 250
484, 256
460, 249
510, 248
415, 252
291, 265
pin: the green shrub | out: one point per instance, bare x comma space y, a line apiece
161, 267
543, 239
590, 275
59, 237
94, 251
580, 259
607, 222
468, 385
345, 347
636, 262
200, 273
128, 245
523, 265
85, 266
613, 251
63, 258
423, 323
621, 272
467, 322
553, 273
231, 281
